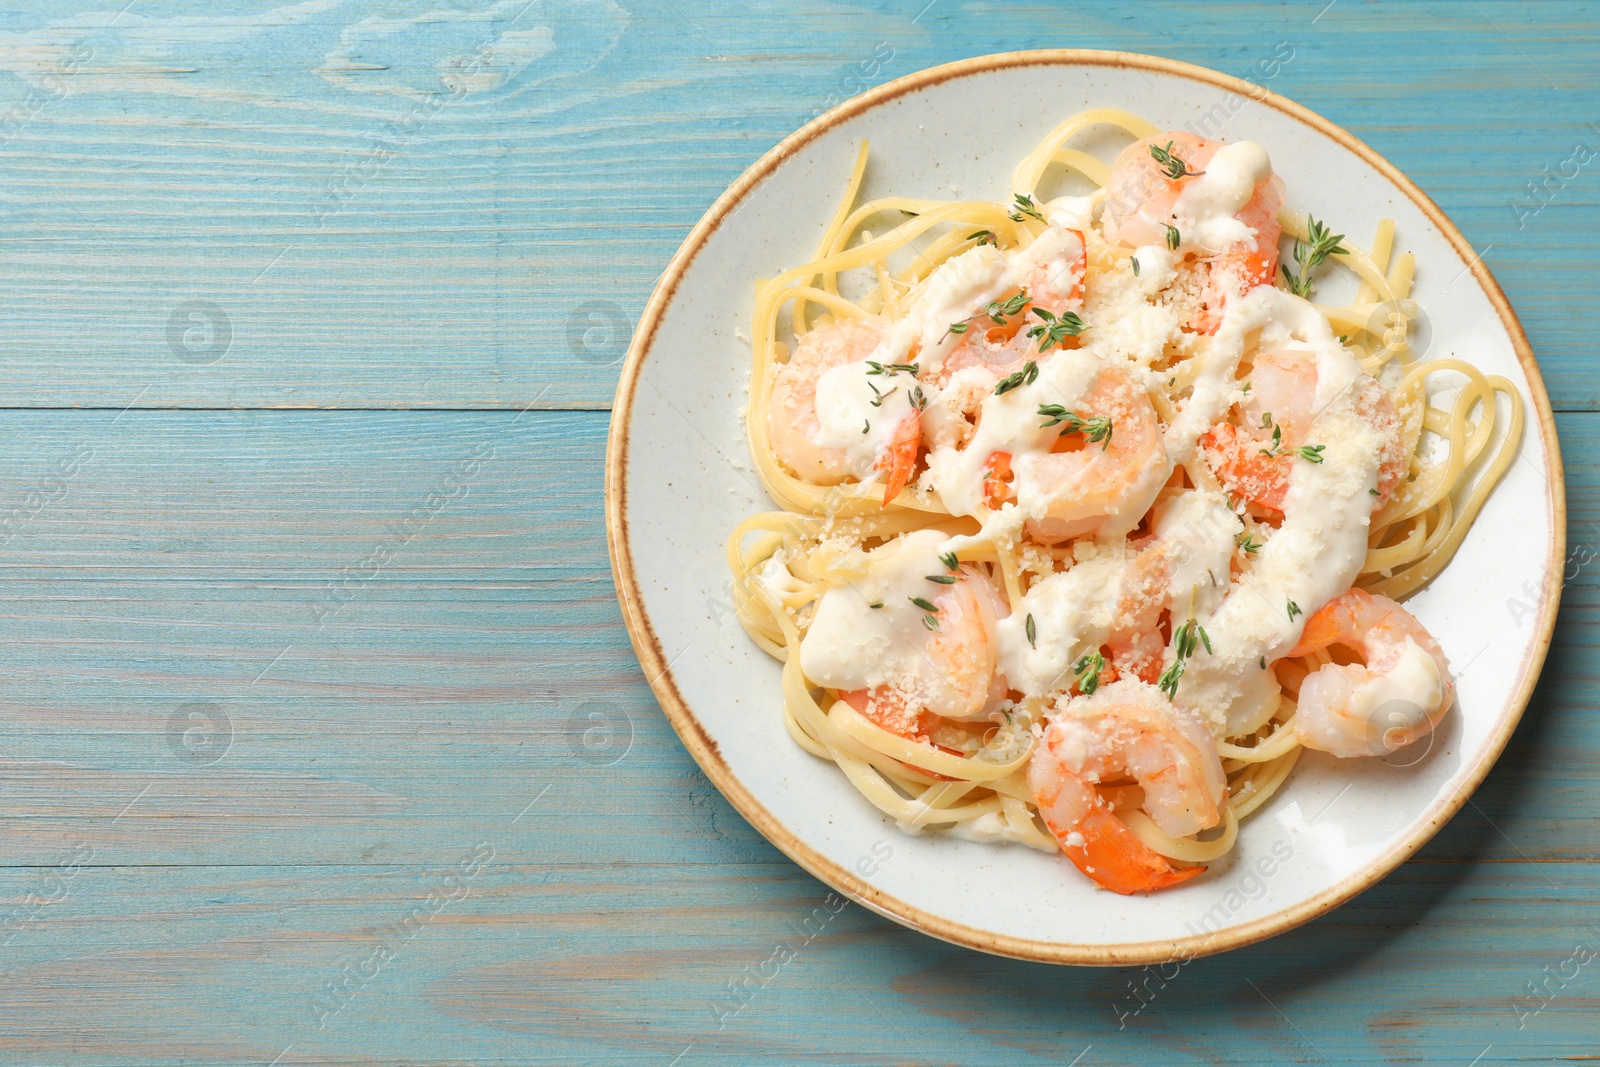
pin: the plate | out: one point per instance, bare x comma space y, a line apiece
678, 479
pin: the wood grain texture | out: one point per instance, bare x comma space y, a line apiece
469, 209
321, 741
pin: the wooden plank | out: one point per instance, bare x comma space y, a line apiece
237, 599
272, 676
632, 962
432, 212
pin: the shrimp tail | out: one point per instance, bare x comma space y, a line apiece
1116, 859
997, 479
900, 459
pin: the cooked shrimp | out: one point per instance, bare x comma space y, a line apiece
899, 460
956, 677
1282, 394
792, 415
1145, 205
1057, 260
1127, 729
1400, 694
1143, 199
1136, 644
1052, 272
1089, 486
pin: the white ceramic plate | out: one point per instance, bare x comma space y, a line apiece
678, 480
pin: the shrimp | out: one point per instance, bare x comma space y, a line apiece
1136, 645
957, 676
792, 415
1142, 197
1057, 262
899, 460
1052, 271
1144, 206
1088, 486
1126, 729
1283, 391
1400, 694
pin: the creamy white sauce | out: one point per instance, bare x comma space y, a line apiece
1010, 422
775, 579
1204, 212
1200, 533
990, 829
1073, 612
847, 419
1400, 699
852, 645
1073, 212
1313, 557
1317, 552
858, 410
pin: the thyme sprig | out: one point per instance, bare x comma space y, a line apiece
1025, 208
1312, 453
930, 616
1055, 329
998, 310
1088, 671
1175, 167
1311, 254
1098, 429
1190, 635
1026, 376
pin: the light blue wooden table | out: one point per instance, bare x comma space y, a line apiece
322, 739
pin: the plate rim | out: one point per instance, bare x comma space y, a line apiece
703, 747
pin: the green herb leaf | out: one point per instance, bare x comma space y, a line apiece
1248, 542
1294, 609
1053, 330
879, 604
999, 309
1189, 636
1135, 261
1025, 208
1311, 452
1310, 254
949, 560
1088, 672
923, 603
931, 622
983, 237
1176, 168
1098, 429
1033, 633
1027, 375
1174, 239
943, 579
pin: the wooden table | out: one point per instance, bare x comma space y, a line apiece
323, 741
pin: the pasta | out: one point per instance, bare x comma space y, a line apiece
1085, 635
